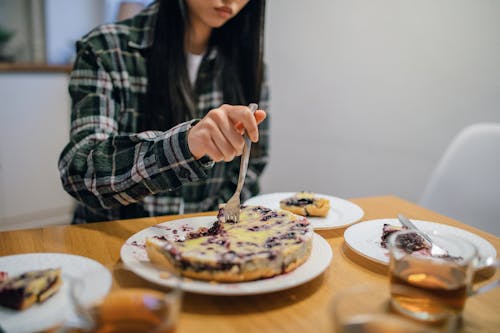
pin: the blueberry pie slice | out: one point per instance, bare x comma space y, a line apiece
263, 244
411, 242
21, 292
306, 204
388, 230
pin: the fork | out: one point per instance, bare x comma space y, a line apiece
435, 249
232, 207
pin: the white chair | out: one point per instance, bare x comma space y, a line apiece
466, 182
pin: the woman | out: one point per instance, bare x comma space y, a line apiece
159, 109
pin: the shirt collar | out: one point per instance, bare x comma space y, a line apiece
142, 27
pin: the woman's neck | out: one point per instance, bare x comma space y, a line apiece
197, 37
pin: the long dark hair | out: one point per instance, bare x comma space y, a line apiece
240, 45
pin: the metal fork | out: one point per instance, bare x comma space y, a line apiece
435, 249
232, 207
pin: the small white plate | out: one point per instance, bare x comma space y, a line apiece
57, 308
342, 212
364, 238
134, 256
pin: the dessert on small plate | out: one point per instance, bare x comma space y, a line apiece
42, 316
22, 291
306, 204
341, 213
367, 238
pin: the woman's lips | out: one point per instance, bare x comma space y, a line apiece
224, 11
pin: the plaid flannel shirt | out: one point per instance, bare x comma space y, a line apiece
115, 172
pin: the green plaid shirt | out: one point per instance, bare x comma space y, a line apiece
115, 172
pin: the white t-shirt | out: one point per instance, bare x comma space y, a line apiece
193, 63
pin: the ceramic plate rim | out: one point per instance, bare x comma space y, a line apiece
356, 213
354, 230
317, 263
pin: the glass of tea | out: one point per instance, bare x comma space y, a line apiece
132, 304
428, 286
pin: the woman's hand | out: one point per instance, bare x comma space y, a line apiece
219, 135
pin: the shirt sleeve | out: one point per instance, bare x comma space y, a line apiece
104, 168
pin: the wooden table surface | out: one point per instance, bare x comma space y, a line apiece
301, 309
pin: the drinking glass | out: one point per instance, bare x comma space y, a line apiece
432, 287
131, 306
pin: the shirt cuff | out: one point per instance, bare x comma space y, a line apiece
205, 161
180, 159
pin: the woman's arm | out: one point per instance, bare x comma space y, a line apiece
102, 167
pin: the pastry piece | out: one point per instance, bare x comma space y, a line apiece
264, 243
410, 242
306, 204
388, 230
413, 242
21, 292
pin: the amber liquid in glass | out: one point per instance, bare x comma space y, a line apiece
416, 287
133, 311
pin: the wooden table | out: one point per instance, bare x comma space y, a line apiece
300, 309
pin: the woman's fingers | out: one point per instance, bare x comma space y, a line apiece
200, 142
260, 116
225, 146
212, 151
219, 133
242, 114
227, 136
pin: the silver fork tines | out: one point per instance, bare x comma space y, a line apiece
232, 207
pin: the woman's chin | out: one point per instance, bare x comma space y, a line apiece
217, 22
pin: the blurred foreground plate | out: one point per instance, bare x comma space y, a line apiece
46, 315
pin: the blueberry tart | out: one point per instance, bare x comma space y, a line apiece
21, 292
306, 204
264, 243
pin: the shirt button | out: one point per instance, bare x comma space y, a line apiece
184, 173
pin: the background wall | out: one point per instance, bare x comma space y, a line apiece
34, 129
368, 93
366, 96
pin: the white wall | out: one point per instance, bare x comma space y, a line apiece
34, 128
368, 93
366, 96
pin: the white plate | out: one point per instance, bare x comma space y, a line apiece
134, 255
57, 308
341, 214
364, 238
